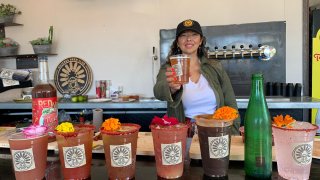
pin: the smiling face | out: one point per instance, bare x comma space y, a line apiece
189, 42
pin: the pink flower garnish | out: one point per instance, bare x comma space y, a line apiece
34, 130
164, 121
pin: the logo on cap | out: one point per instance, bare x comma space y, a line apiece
188, 23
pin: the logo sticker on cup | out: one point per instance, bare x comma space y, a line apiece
178, 69
171, 153
23, 160
121, 155
218, 146
302, 153
74, 156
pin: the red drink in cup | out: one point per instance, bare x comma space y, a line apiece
120, 147
169, 148
75, 150
29, 155
169, 143
181, 65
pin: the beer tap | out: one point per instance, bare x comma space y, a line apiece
250, 50
216, 51
233, 51
225, 51
241, 50
260, 50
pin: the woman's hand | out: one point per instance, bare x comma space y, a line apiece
171, 78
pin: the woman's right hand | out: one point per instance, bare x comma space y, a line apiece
171, 78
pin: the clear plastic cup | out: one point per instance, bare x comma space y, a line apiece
75, 152
294, 149
181, 65
215, 138
169, 147
120, 149
29, 155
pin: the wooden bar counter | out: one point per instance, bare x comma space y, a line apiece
145, 168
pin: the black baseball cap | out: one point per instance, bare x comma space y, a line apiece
188, 25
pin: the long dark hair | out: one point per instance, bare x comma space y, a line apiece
174, 49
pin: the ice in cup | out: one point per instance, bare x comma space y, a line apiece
181, 65
120, 147
169, 143
75, 149
293, 147
29, 153
215, 137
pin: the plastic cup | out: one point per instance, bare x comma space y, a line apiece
169, 147
214, 137
294, 150
120, 149
181, 65
29, 155
75, 152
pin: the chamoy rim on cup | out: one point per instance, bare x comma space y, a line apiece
126, 128
312, 127
207, 120
20, 136
85, 126
168, 128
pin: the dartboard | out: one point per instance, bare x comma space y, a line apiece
73, 76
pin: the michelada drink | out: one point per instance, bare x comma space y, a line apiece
120, 146
29, 152
169, 141
75, 149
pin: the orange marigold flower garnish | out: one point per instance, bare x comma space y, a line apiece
225, 113
285, 121
111, 124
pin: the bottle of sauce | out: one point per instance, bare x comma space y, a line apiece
44, 99
258, 136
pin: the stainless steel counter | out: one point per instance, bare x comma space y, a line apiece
273, 103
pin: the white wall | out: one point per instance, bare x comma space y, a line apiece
116, 36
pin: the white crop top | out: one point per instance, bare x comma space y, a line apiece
198, 98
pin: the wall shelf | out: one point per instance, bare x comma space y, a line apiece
26, 55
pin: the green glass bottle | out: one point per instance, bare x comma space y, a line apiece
258, 135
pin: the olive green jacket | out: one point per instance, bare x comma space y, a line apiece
218, 80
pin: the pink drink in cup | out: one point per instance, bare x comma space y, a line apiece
75, 151
29, 154
120, 147
169, 143
294, 148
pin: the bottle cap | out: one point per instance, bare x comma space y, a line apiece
257, 75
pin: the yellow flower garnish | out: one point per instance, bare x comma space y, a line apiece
65, 127
286, 122
225, 113
111, 124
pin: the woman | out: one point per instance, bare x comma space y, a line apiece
209, 86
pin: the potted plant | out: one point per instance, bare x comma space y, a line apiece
7, 12
8, 47
43, 45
